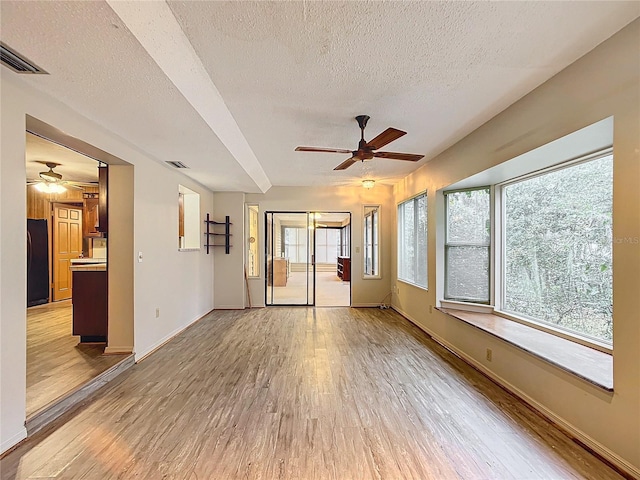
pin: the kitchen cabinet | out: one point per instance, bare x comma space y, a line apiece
90, 215
103, 206
90, 304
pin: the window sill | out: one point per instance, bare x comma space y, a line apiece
407, 282
584, 362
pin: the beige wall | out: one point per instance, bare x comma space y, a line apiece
180, 284
605, 82
229, 284
369, 292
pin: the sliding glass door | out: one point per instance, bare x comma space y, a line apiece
290, 258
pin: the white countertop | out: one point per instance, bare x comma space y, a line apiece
79, 261
94, 265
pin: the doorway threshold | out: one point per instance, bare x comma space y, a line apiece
50, 412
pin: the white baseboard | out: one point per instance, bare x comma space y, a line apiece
13, 440
365, 305
145, 353
229, 307
563, 424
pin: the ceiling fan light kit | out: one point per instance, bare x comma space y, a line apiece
366, 150
368, 183
46, 187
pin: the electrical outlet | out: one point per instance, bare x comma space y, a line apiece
489, 355
157, 312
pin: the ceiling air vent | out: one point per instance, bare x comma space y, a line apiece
177, 164
16, 62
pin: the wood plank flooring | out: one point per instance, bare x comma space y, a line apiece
303, 393
56, 364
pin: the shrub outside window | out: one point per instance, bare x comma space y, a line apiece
558, 248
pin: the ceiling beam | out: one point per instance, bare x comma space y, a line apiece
156, 28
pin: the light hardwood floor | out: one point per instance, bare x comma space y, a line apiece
56, 364
303, 393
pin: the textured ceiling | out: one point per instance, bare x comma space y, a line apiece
296, 73
72, 165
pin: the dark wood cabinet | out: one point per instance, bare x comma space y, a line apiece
90, 305
90, 215
344, 268
103, 207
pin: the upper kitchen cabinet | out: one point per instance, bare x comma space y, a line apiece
103, 210
90, 215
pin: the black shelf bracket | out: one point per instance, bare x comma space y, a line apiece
210, 232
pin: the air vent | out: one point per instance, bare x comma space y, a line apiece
177, 164
16, 62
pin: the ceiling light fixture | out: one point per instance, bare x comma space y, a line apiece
45, 187
368, 183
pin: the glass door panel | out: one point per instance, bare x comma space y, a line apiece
289, 247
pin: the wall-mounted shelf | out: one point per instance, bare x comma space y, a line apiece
211, 232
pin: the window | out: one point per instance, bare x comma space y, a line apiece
467, 243
558, 248
253, 264
371, 250
295, 244
327, 245
345, 239
412, 241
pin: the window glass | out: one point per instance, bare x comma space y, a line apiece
371, 250
253, 264
558, 248
467, 245
412, 241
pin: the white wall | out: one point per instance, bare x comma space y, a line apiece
369, 292
605, 82
179, 283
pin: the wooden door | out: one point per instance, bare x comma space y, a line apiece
67, 244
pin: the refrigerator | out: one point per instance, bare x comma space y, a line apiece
37, 262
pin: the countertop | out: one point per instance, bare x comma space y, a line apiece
88, 265
87, 260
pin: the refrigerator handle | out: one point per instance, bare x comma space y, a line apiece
29, 251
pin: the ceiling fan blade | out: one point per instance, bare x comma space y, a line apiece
71, 185
399, 156
347, 163
388, 136
325, 150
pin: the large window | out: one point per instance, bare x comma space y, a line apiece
327, 245
371, 250
467, 242
558, 248
412, 241
295, 244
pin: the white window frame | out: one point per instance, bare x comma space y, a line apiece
400, 231
497, 260
374, 215
256, 272
448, 244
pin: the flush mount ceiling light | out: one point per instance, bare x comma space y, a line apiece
368, 183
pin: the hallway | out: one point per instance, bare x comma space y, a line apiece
303, 393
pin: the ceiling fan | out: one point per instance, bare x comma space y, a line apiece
366, 150
51, 182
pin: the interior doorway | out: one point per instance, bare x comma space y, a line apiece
67, 187
308, 258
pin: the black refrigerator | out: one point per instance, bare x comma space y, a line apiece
37, 262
